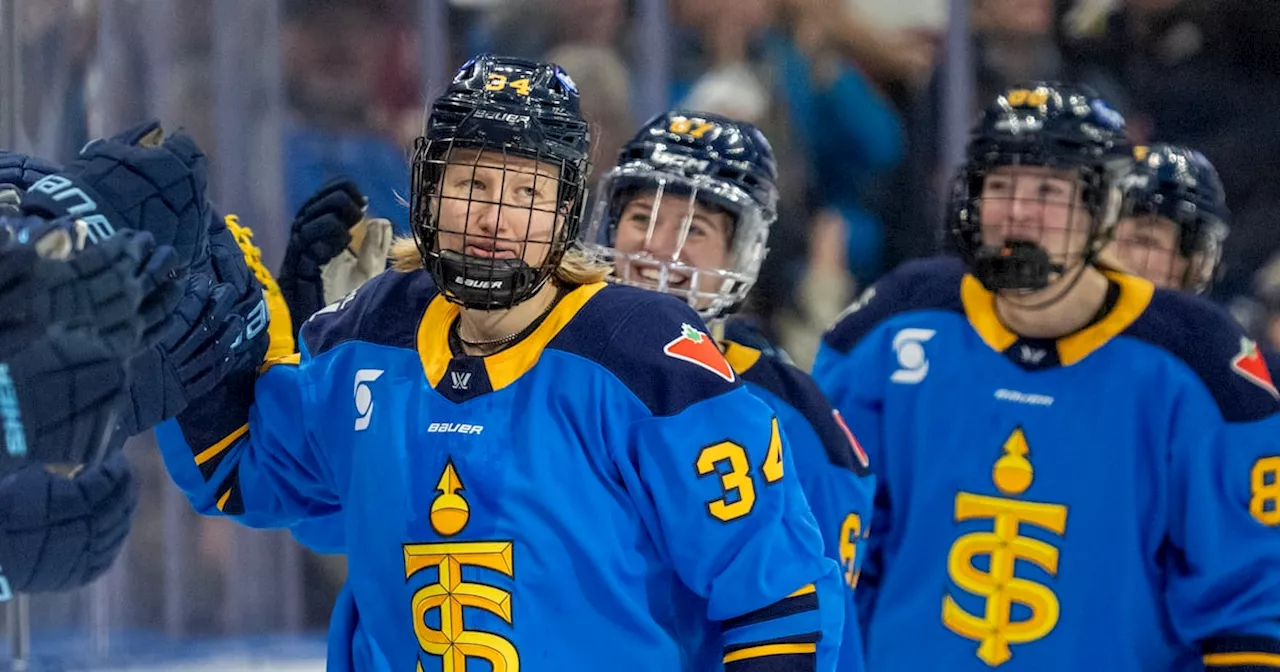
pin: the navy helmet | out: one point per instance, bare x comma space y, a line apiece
507, 108
705, 159
1047, 125
1179, 184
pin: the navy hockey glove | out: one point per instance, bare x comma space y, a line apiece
228, 265
59, 533
22, 171
133, 181
220, 327
320, 232
58, 400
122, 290
190, 361
17, 294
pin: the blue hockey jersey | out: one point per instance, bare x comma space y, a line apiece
1105, 501
603, 495
832, 468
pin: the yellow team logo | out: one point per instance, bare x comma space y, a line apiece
995, 630
449, 595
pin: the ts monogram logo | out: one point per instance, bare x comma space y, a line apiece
450, 594
1004, 547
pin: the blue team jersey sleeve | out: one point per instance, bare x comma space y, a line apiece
850, 368
711, 472
1223, 590
268, 471
852, 391
254, 449
833, 470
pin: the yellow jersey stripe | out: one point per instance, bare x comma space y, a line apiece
1242, 658
770, 650
214, 450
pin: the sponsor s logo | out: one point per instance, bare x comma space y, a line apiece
913, 365
364, 396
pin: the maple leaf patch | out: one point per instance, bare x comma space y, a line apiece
1252, 367
695, 347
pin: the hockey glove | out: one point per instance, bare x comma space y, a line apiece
58, 400
22, 171
320, 231
133, 181
280, 327
193, 356
220, 327
121, 291
230, 265
59, 533
350, 269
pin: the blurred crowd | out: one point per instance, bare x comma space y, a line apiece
849, 91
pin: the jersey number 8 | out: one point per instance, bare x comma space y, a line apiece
736, 479
1264, 484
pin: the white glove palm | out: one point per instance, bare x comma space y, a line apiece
363, 259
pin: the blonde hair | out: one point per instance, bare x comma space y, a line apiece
577, 266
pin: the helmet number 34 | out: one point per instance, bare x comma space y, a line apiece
1027, 98
498, 82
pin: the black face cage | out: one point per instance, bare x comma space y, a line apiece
481, 282
1098, 192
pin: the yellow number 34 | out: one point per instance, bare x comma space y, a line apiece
499, 82
737, 479
1026, 98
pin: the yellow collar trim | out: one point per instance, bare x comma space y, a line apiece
504, 367
1135, 296
740, 357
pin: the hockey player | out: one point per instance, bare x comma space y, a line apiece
686, 211
1174, 218
534, 469
1174, 222
1084, 464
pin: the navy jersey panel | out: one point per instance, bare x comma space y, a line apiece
837, 481
583, 512
383, 311
1129, 518
916, 285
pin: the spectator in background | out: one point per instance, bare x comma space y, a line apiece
779, 65
1203, 73
606, 102
333, 51
532, 28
